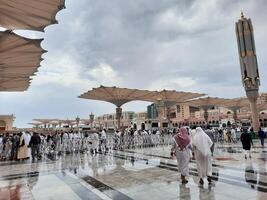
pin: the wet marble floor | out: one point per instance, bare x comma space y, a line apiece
147, 173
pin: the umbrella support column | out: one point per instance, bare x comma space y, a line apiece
254, 114
235, 115
206, 115
118, 116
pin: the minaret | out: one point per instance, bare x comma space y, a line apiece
248, 65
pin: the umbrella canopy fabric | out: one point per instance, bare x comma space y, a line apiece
171, 97
67, 121
236, 103
117, 96
19, 59
44, 121
35, 123
29, 14
207, 102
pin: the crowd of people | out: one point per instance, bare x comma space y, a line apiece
187, 144
23, 145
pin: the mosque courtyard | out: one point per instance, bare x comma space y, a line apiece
145, 173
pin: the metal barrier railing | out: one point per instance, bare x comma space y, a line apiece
110, 143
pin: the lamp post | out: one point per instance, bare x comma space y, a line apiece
248, 65
91, 116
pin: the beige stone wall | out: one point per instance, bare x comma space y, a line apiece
6, 122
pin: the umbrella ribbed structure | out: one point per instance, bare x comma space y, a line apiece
235, 104
206, 103
29, 14
45, 120
165, 99
20, 58
120, 96
36, 124
170, 97
117, 96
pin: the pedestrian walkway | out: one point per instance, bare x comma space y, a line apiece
141, 173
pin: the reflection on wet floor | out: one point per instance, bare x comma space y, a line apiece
134, 174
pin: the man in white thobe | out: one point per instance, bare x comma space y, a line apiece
95, 143
202, 144
103, 139
65, 139
27, 142
233, 134
23, 149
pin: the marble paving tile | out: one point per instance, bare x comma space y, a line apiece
51, 187
15, 193
135, 174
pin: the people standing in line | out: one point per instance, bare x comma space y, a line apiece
4, 144
7, 147
71, 136
117, 139
103, 140
229, 135
202, 147
23, 149
181, 149
76, 142
65, 142
261, 135
247, 142
210, 133
56, 141
220, 135
233, 135
27, 142
95, 143
34, 144
15, 146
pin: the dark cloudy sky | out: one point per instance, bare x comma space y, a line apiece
148, 44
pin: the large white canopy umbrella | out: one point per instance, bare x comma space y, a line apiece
206, 103
29, 14
117, 96
19, 60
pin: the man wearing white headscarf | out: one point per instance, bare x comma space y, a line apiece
202, 144
95, 143
23, 148
27, 142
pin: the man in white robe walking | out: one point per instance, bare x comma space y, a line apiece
27, 142
23, 149
181, 149
202, 144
